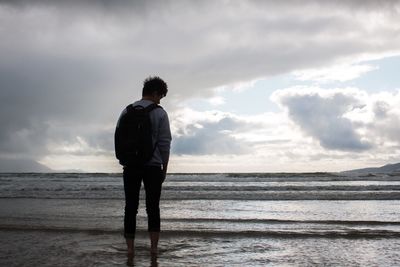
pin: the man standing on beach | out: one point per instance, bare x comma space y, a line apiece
150, 169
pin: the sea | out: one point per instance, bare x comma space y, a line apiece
248, 219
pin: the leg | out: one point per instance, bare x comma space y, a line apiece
131, 254
132, 183
154, 237
152, 183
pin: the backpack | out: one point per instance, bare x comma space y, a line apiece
133, 136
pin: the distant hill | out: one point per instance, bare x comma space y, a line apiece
389, 168
22, 165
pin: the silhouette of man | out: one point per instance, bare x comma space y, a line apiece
153, 172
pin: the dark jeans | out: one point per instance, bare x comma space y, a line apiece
152, 178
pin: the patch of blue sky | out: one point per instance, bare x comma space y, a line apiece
385, 78
251, 100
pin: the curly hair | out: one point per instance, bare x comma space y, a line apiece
154, 84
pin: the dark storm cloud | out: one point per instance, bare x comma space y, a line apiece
386, 123
78, 63
39, 92
322, 117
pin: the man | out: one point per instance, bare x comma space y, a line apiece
153, 171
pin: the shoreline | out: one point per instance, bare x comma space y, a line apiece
109, 249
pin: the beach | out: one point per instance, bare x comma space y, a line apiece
60, 248
313, 219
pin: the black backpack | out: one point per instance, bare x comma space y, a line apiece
133, 136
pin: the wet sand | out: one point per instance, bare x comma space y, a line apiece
58, 248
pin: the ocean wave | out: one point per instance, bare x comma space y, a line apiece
299, 179
284, 188
306, 186
342, 233
282, 174
207, 188
277, 221
219, 195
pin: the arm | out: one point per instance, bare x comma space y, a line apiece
164, 142
165, 167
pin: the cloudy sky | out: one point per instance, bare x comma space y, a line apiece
254, 86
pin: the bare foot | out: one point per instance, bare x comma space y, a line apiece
154, 261
129, 243
131, 252
154, 236
129, 262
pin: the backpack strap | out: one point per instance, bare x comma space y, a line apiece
147, 109
151, 107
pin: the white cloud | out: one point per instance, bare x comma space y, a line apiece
339, 73
216, 101
207, 133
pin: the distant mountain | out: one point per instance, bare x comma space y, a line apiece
389, 168
22, 165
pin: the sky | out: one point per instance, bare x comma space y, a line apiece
254, 86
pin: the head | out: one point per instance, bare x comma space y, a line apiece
154, 88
